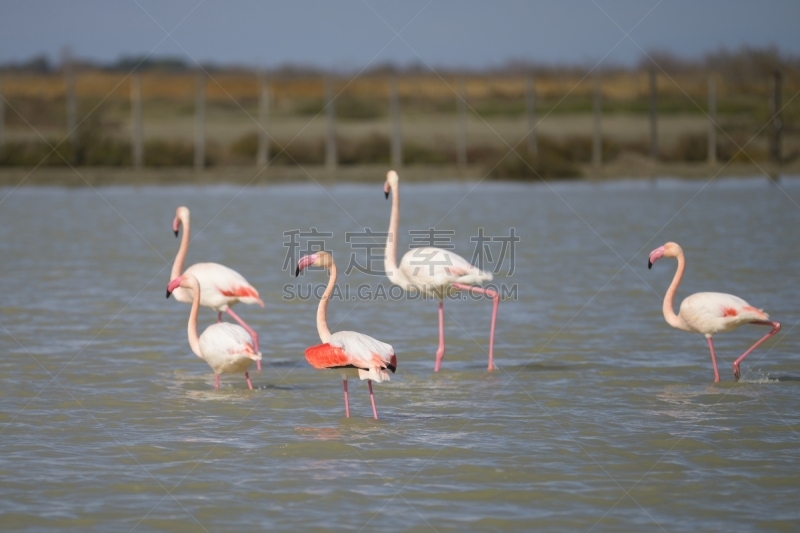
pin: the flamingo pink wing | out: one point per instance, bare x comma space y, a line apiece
248, 348
241, 292
743, 310
456, 270
763, 315
326, 356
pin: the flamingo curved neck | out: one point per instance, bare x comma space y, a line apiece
177, 265
191, 328
390, 254
669, 298
322, 309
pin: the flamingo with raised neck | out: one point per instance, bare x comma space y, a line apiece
708, 312
349, 352
433, 271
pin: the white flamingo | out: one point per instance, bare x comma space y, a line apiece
227, 348
708, 312
433, 271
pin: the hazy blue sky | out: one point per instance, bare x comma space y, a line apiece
351, 34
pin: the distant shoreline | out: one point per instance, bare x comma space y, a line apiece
624, 168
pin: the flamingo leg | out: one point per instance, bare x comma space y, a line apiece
440, 351
776, 327
495, 305
249, 330
713, 359
219, 317
216, 381
346, 400
372, 399
247, 377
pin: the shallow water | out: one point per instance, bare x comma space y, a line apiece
599, 416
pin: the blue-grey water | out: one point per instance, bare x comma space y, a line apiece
599, 416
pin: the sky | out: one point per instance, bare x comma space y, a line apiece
354, 34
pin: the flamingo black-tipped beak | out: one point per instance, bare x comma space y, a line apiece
649, 264
296, 271
176, 233
386, 194
168, 293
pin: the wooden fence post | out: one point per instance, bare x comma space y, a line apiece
331, 158
530, 105
137, 133
777, 124
653, 114
2, 114
262, 157
72, 107
597, 144
712, 120
200, 122
461, 135
397, 132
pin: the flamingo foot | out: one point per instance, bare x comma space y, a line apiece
776, 327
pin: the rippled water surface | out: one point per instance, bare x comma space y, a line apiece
599, 416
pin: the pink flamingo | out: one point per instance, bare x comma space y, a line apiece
227, 348
346, 351
222, 286
709, 312
433, 271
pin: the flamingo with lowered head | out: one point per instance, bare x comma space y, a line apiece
227, 348
221, 286
346, 351
433, 271
709, 312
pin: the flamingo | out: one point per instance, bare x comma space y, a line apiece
433, 272
222, 286
709, 312
346, 351
227, 348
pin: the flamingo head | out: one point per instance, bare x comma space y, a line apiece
391, 182
187, 281
181, 217
319, 259
172, 285
671, 249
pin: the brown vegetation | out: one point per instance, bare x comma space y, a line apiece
496, 106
